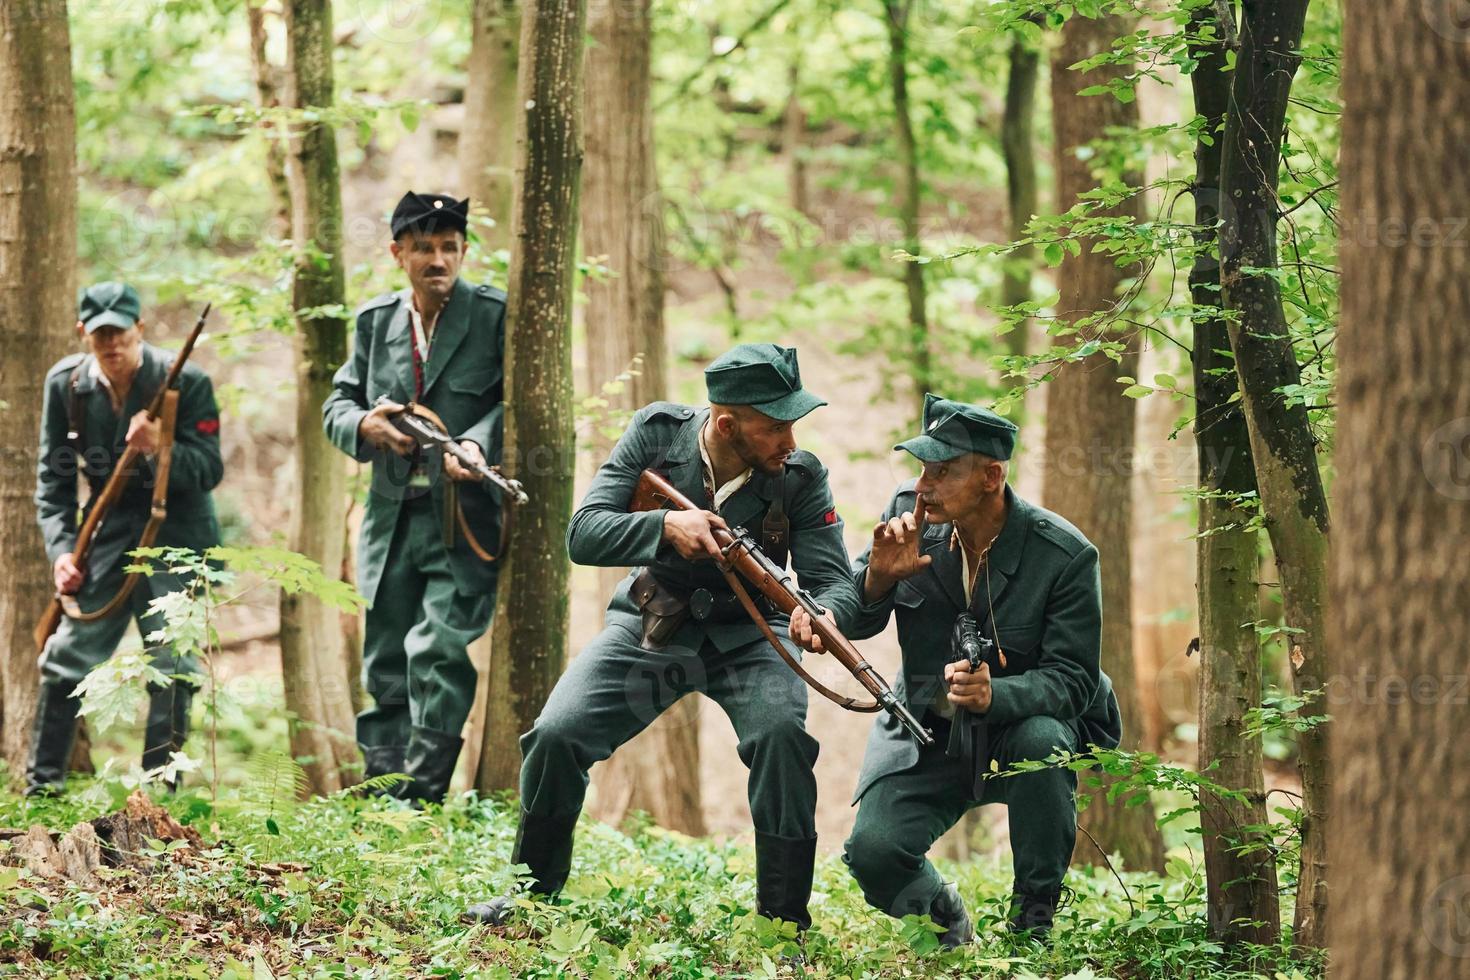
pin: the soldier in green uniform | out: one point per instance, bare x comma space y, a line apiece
95, 408
959, 540
674, 626
438, 343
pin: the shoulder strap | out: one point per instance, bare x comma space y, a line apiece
74, 407
776, 528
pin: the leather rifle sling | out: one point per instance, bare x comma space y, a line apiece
156, 515
841, 700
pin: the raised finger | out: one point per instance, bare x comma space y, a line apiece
919, 511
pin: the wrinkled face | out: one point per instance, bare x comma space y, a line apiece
431, 259
953, 490
117, 349
761, 442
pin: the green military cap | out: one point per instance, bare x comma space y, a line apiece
763, 376
108, 304
952, 429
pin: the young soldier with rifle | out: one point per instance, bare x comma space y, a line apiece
142, 428
681, 622
421, 399
999, 611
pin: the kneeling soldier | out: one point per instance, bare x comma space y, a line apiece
959, 542
675, 627
95, 408
421, 567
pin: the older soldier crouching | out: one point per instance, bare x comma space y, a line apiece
956, 541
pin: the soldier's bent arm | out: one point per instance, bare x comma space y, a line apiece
345, 407
818, 554
1067, 673
602, 531
56, 474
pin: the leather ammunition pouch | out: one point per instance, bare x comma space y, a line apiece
663, 611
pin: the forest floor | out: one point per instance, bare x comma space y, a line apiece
350, 887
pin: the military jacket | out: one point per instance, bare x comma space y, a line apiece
463, 384
1046, 593
195, 466
665, 437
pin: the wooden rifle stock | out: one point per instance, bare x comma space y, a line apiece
113, 488
743, 555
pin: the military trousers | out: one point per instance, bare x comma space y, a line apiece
902, 814
614, 689
415, 665
77, 646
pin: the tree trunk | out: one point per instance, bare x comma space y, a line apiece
658, 771
539, 439
1400, 831
1089, 426
1241, 887
313, 656
267, 91
793, 141
487, 139
1018, 144
917, 339
38, 247
1281, 442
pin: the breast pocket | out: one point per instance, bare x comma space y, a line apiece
1021, 645
476, 383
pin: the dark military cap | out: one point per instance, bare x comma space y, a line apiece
430, 213
952, 429
763, 376
108, 304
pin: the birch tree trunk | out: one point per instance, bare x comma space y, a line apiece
528, 646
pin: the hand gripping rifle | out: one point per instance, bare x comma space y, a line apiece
427, 429
742, 555
969, 734
163, 405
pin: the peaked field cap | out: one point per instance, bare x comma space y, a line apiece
430, 212
108, 304
952, 429
765, 377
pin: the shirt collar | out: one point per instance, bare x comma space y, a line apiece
720, 494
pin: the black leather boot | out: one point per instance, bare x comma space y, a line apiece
783, 877
429, 761
52, 735
948, 910
1032, 913
379, 760
543, 844
168, 725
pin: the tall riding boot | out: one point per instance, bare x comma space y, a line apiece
783, 877
52, 735
429, 761
379, 760
543, 844
168, 725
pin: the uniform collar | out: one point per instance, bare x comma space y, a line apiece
947, 563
